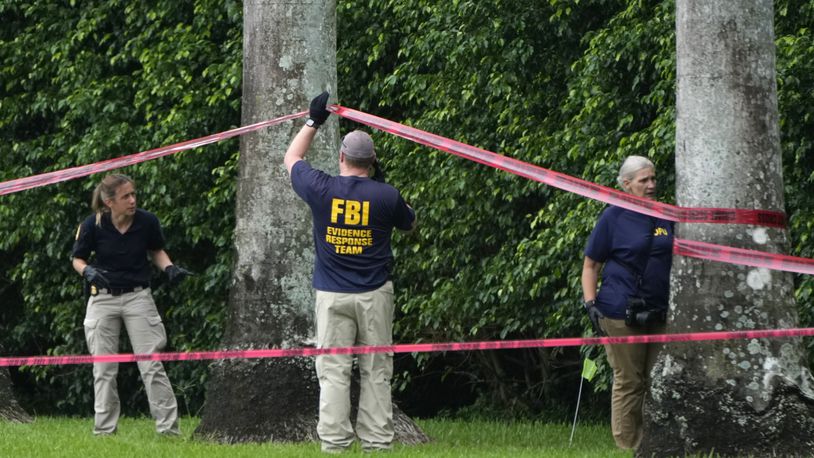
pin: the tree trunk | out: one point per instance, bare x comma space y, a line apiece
10, 410
289, 56
733, 397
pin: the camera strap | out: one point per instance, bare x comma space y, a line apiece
639, 275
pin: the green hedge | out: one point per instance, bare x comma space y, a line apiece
569, 85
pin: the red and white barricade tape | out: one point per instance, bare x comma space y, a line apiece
405, 348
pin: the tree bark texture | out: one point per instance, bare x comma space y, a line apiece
289, 56
739, 397
289, 53
10, 410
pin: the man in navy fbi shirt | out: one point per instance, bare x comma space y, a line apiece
353, 219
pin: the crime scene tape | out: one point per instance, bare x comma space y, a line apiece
611, 196
34, 181
578, 186
581, 187
405, 348
566, 182
689, 248
731, 255
559, 180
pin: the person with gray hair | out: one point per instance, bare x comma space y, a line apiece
629, 168
633, 252
354, 217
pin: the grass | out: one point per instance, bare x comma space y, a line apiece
71, 437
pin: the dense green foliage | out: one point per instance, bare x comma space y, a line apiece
97, 80
570, 85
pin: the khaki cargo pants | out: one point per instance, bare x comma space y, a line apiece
103, 319
631, 365
343, 320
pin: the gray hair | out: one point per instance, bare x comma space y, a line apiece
632, 165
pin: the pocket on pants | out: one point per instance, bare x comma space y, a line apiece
90, 325
154, 320
157, 333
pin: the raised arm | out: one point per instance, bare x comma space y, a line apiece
299, 146
317, 114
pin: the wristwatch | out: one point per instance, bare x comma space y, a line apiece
311, 123
588, 304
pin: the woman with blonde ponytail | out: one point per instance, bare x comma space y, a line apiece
123, 239
106, 188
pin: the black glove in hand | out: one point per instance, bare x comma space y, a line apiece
176, 274
378, 173
594, 315
96, 277
318, 111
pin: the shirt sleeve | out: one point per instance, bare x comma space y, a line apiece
599, 243
155, 240
84, 241
404, 215
307, 181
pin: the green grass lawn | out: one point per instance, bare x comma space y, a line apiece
71, 437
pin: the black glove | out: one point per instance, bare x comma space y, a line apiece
594, 315
96, 277
378, 173
176, 274
317, 111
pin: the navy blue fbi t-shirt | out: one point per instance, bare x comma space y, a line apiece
620, 240
353, 218
123, 256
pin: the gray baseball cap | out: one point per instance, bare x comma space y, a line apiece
358, 145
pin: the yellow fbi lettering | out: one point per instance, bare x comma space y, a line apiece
349, 241
353, 212
348, 249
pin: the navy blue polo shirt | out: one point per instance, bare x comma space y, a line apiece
353, 219
620, 240
123, 256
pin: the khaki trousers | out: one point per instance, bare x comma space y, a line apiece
103, 319
631, 378
346, 319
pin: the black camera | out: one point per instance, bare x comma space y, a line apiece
640, 314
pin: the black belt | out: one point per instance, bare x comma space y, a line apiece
120, 291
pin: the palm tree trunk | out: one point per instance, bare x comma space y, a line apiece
732, 397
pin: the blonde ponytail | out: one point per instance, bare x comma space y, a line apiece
105, 190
